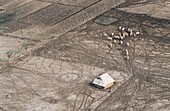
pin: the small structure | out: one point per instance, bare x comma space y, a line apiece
103, 81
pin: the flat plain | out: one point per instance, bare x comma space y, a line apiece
54, 75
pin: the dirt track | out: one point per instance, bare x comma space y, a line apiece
56, 76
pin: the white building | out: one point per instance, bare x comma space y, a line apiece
103, 81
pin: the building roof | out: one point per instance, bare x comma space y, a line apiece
103, 80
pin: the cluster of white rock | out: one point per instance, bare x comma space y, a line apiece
120, 36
